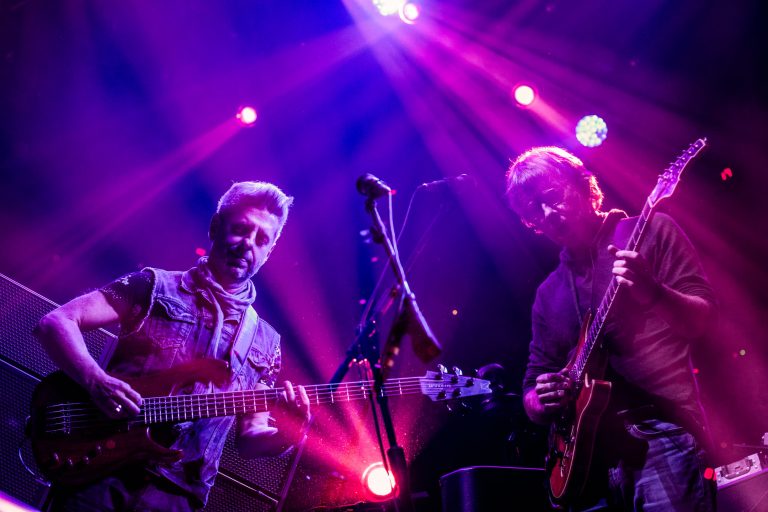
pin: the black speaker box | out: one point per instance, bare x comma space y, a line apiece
494, 488
749, 494
256, 485
22, 362
15, 479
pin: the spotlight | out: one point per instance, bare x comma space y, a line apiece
378, 483
524, 95
247, 115
591, 131
409, 13
388, 7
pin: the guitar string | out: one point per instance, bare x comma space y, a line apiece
181, 406
314, 390
184, 400
195, 410
227, 397
177, 406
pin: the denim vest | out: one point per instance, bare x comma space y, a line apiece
178, 329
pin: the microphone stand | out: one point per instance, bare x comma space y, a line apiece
395, 453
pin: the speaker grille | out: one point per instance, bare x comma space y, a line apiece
20, 311
15, 480
253, 484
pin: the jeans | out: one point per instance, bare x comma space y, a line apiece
661, 469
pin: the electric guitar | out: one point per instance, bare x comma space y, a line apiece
572, 435
74, 443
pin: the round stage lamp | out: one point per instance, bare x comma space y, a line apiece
591, 131
524, 95
378, 483
247, 115
409, 12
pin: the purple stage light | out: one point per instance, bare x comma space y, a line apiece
378, 483
388, 7
524, 95
247, 115
591, 131
409, 12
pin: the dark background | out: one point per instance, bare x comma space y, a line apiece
117, 136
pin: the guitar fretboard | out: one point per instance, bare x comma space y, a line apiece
190, 407
664, 188
69, 417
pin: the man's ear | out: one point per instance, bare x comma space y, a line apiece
216, 225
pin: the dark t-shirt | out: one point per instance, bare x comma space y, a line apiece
649, 363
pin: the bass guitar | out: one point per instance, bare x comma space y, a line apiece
74, 443
572, 435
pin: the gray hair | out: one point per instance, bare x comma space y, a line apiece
258, 194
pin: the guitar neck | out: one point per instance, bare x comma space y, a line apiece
598, 321
191, 407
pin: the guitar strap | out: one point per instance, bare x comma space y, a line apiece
244, 339
575, 296
606, 231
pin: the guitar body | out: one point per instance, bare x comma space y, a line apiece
572, 437
74, 456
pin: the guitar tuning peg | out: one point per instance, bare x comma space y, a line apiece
457, 371
442, 370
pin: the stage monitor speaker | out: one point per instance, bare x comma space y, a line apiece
22, 363
494, 488
20, 311
249, 484
15, 479
748, 494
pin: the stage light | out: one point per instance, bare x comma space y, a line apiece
378, 483
409, 12
200, 251
524, 95
247, 115
591, 131
388, 7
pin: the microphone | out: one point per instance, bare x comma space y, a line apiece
461, 178
372, 187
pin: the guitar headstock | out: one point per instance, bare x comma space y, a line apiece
442, 385
669, 179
